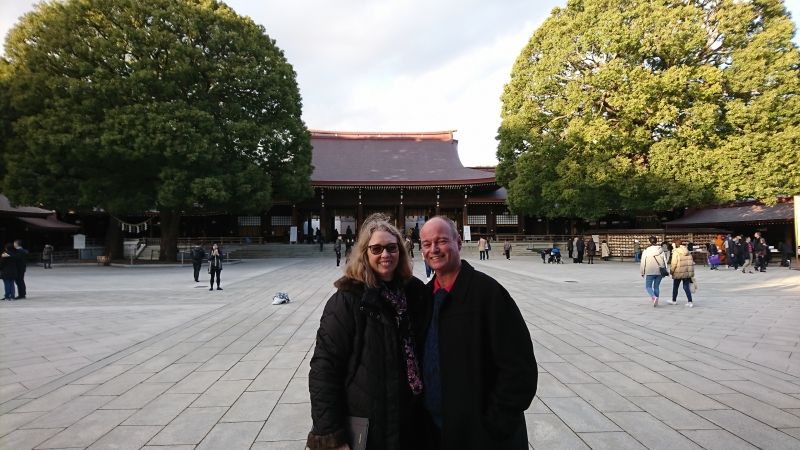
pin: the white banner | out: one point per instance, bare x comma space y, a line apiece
467, 233
79, 241
292, 234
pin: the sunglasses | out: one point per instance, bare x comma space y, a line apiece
378, 249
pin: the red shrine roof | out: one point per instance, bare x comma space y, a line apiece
390, 159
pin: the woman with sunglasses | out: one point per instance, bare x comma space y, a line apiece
365, 379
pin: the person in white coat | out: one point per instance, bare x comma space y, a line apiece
650, 267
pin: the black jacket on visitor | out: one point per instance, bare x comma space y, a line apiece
488, 368
359, 369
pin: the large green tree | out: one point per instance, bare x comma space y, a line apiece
131, 105
622, 105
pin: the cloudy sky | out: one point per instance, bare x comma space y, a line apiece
400, 65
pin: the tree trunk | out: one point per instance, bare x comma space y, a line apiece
170, 225
113, 247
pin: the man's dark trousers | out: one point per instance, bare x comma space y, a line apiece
21, 292
197, 266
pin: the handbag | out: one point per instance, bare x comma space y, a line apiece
694, 285
713, 259
662, 270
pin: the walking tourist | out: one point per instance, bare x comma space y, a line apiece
215, 265
747, 252
637, 250
605, 251
198, 255
481, 248
713, 256
365, 377
653, 268
20, 256
682, 270
580, 247
479, 372
760, 248
507, 249
337, 248
409, 246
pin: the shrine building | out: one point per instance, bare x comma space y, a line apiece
408, 176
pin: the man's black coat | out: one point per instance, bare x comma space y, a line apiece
487, 364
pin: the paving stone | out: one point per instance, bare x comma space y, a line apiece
282, 445
705, 370
286, 360
794, 432
651, 432
70, 412
538, 407
671, 414
10, 422
547, 431
272, 380
579, 415
622, 384
173, 373
245, 370
611, 441
685, 397
190, 427
600, 353
771, 381
221, 362
87, 430
231, 436
717, 440
252, 407
54, 399
288, 422
567, 373
138, 396
603, 398
296, 391
162, 410
261, 353
638, 372
126, 438
587, 363
750, 430
196, 382
768, 414
549, 386
120, 384
25, 439
222, 393
764, 394
696, 382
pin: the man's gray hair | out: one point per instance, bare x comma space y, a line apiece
451, 224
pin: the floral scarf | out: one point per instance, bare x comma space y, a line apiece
397, 298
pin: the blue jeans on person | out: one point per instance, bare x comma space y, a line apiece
687, 287
8, 285
428, 270
651, 284
637, 257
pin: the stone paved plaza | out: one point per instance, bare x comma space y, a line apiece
112, 357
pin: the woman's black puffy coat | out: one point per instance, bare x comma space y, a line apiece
359, 369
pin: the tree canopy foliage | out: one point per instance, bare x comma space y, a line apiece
620, 105
132, 105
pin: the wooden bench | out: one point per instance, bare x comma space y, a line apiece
102, 260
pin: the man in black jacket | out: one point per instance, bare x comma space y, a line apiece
479, 370
20, 255
198, 255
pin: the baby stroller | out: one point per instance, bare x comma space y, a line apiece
544, 254
555, 256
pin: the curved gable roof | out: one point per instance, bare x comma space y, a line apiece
359, 158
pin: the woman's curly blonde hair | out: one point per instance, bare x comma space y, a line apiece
358, 267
